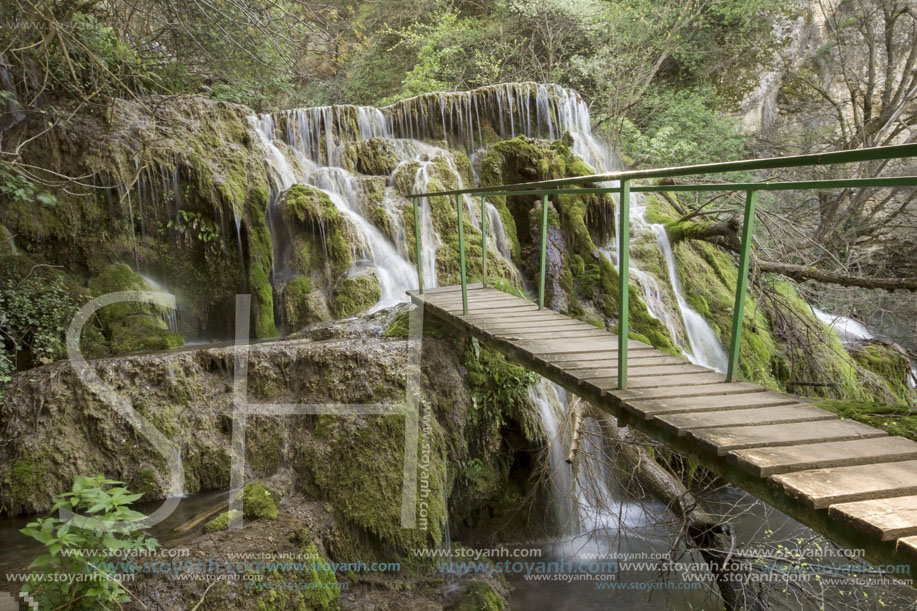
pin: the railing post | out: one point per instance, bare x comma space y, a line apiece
483, 242
417, 247
544, 249
461, 231
623, 282
738, 311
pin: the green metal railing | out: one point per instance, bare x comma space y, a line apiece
564, 186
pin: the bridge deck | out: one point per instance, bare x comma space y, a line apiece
853, 483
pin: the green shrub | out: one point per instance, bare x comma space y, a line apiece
103, 526
35, 311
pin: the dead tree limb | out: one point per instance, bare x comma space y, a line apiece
726, 234
712, 539
576, 406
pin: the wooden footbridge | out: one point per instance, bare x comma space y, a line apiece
851, 482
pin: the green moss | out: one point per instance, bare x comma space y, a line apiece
897, 420
115, 278
685, 230
260, 258
308, 204
358, 467
383, 222
7, 244
258, 502
222, 521
373, 157
323, 596
708, 277
26, 478
130, 326
354, 295
399, 326
885, 371
146, 483
480, 597
303, 305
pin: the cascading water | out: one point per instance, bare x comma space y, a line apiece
582, 496
848, 330
314, 151
171, 316
706, 349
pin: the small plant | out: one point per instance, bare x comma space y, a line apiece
80, 548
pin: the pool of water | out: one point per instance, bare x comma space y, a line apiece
18, 550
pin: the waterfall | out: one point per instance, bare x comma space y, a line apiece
396, 275
171, 316
584, 498
848, 330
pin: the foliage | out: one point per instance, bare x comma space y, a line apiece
34, 314
497, 384
103, 525
19, 188
194, 225
682, 128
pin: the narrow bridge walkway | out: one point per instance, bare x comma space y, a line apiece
853, 483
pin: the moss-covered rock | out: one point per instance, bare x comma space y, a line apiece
324, 594
896, 419
146, 482
222, 521
321, 251
303, 304
355, 295
130, 326
258, 502
365, 484
579, 279
373, 157
480, 597
260, 260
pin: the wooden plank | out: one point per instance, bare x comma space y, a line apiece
548, 332
820, 488
478, 301
907, 546
608, 385
585, 367
680, 424
647, 408
444, 289
721, 441
570, 334
675, 392
561, 358
548, 324
479, 294
764, 462
638, 369
577, 345
883, 519
661, 370
498, 308
480, 318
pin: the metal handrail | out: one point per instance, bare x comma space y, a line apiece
568, 186
792, 161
